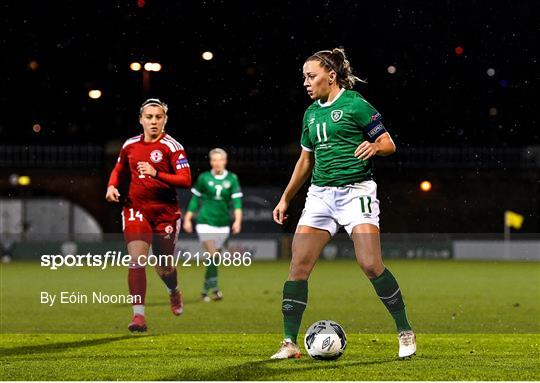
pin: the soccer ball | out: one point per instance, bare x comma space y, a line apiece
325, 340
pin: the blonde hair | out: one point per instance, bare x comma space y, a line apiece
217, 151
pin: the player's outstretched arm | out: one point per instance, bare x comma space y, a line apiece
237, 224
237, 205
301, 173
180, 179
383, 146
188, 225
112, 195
193, 206
118, 172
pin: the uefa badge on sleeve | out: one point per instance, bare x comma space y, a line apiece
182, 162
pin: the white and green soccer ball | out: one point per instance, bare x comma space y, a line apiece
325, 340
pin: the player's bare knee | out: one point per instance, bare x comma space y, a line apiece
371, 269
301, 261
299, 271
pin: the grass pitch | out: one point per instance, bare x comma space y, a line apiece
474, 321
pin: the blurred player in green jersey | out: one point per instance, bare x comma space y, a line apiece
341, 133
213, 194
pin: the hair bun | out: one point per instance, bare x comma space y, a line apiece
339, 51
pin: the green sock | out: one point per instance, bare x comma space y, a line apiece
295, 294
388, 291
210, 278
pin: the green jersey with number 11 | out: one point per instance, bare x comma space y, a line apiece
333, 131
214, 194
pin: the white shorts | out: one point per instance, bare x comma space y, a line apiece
329, 207
218, 234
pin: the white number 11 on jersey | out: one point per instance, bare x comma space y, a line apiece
325, 137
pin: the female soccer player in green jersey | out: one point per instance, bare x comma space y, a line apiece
213, 193
341, 133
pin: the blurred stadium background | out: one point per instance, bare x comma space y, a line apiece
456, 83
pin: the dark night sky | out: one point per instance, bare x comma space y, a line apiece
252, 91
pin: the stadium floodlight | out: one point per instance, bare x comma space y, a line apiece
33, 65
14, 179
24, 180
425, 186
207, 56
94, 94
152, 67
135, 66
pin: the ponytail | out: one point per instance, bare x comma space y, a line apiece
336, 60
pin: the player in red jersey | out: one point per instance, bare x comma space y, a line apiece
155, 164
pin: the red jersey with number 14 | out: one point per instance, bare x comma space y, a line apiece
167, 156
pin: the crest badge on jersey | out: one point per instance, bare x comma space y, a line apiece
156, 156
226, 184
336, 115
168, 230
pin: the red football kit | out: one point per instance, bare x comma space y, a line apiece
151, 207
